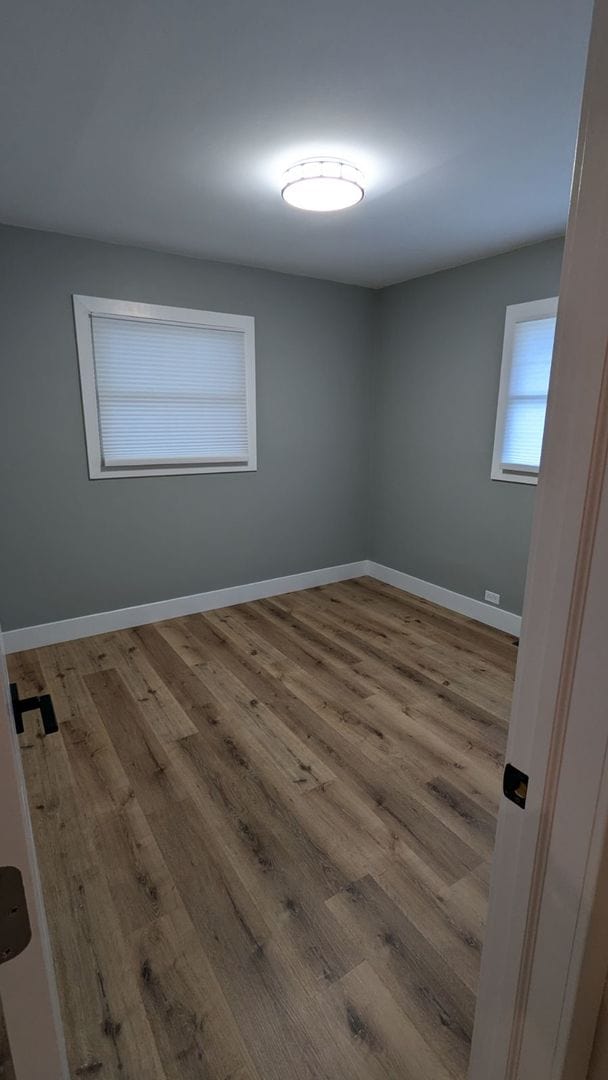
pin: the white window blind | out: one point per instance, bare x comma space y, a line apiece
527, 354
527, 395
171, 394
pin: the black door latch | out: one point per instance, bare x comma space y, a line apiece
15, 930
42, 702
515, 785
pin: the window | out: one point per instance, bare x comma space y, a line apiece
524, 384
165, 390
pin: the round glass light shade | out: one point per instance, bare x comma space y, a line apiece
322, 184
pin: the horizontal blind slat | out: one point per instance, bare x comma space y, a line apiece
169, 393
526, 406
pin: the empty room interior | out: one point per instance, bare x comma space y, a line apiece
279, 288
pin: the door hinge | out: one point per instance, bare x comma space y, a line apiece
42, 702
515, 785
15, 930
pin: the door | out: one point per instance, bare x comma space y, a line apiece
27, 984
548, 858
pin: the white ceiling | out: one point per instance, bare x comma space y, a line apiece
167, 123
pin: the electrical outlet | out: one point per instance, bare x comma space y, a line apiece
492, 597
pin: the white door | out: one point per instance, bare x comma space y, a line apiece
547, 861
27, 984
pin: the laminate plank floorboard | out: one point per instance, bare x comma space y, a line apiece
264, 836
428, 989
408, 812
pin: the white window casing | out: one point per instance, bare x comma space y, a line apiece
165, 390
524, 384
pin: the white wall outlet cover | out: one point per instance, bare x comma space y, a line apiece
492, 597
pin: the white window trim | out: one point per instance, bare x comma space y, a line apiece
516, 313
85, 307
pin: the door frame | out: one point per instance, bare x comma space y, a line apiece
27, 982
550, 861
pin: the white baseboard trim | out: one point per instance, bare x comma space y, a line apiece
34, 637
464, 605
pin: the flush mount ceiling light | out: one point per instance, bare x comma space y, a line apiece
322, 184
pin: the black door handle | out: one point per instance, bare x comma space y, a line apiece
515, 785
42, 702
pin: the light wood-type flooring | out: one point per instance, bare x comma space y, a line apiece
264, 836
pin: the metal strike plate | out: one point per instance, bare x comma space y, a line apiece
15, 930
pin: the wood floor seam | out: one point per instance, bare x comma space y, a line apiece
264, 836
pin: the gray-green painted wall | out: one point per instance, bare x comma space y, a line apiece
71, 546
435, 512
375, 425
